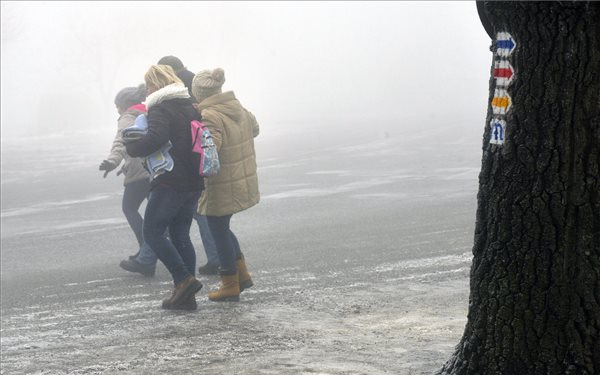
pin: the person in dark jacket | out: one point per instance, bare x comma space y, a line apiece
172, 193
180, 70
208, 242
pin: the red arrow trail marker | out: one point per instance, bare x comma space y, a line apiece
503, 73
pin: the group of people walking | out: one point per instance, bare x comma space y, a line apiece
171, 98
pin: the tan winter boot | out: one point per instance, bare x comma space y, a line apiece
228, 291
245, 279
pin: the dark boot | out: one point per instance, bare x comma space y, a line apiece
182, 293
188, 304
132, 265
228, 291
244, 277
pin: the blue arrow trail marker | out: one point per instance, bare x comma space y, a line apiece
505, 44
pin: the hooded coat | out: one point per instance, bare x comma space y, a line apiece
133, 170
170, 112
233, 129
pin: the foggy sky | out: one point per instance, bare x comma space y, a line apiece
288, 62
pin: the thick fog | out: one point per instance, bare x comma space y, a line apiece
406, 63
371, 122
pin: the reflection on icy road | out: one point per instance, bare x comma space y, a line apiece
357, 269
356, 321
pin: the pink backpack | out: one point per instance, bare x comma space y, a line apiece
202, 144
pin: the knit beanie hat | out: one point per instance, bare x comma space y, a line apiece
130, 96
207, 83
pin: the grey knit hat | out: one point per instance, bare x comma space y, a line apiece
207, 83
130, 96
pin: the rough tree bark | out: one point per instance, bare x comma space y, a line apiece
534, 305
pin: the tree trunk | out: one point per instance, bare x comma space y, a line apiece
534, 305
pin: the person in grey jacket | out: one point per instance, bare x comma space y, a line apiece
137, 180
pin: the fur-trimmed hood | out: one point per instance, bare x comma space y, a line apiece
172, 91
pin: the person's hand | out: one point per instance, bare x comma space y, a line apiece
106, 166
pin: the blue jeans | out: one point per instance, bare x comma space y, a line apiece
228, 247
210, 248
134, 194
174, 210
146, 256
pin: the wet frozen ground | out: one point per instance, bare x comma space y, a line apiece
360, 255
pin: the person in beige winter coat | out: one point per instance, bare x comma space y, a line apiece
235, 188
128, 102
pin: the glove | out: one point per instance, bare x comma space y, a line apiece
106, 166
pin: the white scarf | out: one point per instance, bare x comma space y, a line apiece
172, 91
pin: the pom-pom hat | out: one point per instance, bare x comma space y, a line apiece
207, 83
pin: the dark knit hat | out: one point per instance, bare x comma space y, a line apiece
173, 62
207, 83
130, 96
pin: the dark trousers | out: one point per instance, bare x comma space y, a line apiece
133, 196
228, 247
172, 210
210, 248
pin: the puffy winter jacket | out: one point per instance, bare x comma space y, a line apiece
170, 112
233, 128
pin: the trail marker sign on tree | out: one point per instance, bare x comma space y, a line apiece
498, 132
501, 102
505, 44
503, 73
